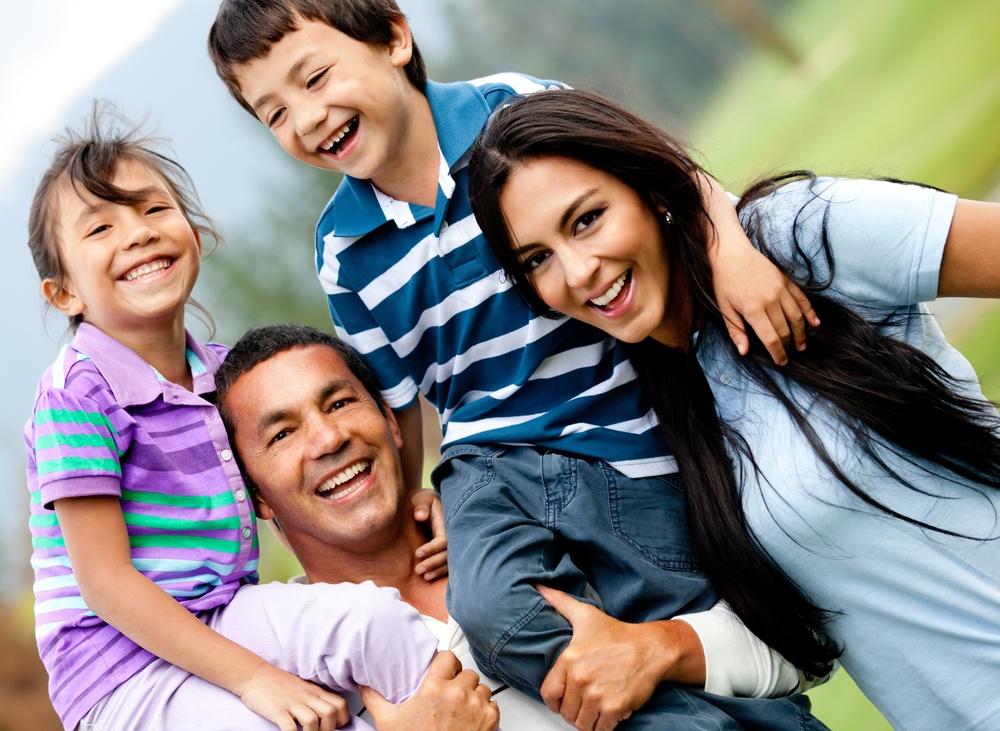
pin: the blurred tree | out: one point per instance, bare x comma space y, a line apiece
661, 57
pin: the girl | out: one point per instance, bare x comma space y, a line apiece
862, 478
148, 612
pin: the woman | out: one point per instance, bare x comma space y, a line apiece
850, 496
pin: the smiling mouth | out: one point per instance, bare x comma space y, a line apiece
335, 141
345, 482
606, 301
144, 271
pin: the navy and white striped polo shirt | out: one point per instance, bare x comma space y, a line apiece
418, 292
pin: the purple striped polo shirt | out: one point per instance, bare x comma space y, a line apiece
106, 423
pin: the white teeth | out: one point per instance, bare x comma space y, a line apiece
145, 270
612, 292
339, 479
337, 137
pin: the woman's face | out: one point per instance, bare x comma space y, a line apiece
592, 247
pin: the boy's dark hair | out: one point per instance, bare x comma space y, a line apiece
88, 158
245, 30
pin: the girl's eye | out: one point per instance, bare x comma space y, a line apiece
586, 221
536, 260
315, 79
98, 230
157, 209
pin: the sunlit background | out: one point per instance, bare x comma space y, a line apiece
900, 88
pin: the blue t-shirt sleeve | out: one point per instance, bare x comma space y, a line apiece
887, 239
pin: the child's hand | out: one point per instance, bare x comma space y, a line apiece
433, 555
290, 702
749, 287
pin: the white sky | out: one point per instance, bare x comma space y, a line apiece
52, 51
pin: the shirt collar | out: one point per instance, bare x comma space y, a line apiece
132, 380
459, 111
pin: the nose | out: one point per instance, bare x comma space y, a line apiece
579, 268
140, 233
308, 115
326, 435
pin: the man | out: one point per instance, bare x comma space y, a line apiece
320, 453
321, 456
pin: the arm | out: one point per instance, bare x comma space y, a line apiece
411, 428
970, 266
98, 546
748, 286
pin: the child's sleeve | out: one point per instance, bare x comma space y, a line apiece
76, 450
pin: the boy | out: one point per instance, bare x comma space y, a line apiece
412, 285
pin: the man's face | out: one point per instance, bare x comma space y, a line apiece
323, 456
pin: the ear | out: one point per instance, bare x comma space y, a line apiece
397, 435
263, 510
63, 299
401, 43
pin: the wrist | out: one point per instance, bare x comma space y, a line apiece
679, 649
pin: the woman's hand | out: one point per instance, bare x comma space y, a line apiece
432, 557
611, 668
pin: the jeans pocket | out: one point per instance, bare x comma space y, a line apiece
649, 514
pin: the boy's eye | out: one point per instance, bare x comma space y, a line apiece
586, 221
275, 116
315, 79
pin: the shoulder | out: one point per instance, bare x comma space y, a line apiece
497, 88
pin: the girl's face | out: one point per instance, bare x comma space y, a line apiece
129, 269
592, 247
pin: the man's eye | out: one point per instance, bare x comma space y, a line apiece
278, 437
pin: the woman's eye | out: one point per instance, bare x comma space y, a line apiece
536, 260
586, 221
315, 79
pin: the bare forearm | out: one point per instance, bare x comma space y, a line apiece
411, 427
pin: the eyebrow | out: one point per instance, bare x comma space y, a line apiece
142, 194
271, 418
564, 218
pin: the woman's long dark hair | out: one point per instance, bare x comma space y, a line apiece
886, 393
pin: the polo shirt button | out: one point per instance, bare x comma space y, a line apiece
444, 227
226, 455
247, 532
725, 379
241, 495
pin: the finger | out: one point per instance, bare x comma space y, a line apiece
437, 519
587, 718
803, 304
445, 665
433, 567
569, 607
736, 329
332, 709
307, 719
374, 701
610, 721
492, 719
554, 686
796, 320
434, 545
765, 329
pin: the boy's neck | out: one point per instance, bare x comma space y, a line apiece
413, 175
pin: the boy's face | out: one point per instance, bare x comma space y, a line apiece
332, 101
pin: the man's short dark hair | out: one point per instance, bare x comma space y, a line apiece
263, 343
245, 30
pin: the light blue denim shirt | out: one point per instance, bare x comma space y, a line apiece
920, 611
